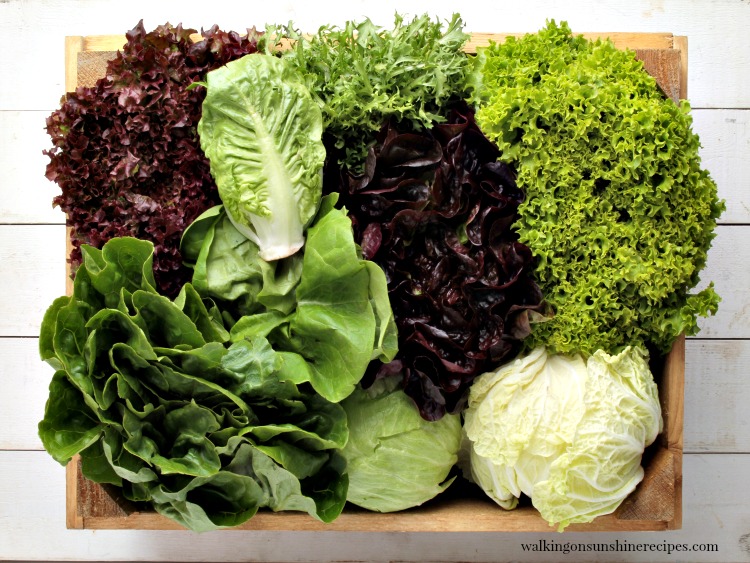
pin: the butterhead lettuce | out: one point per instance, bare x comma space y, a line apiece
159, 400
568, 433
326, 308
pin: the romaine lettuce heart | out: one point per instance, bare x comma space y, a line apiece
262, 131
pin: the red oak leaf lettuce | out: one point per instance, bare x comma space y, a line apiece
435, 210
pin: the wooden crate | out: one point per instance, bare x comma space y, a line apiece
655, 505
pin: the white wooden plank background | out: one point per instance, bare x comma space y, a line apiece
717, 421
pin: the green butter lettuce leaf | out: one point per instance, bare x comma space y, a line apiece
259, 324
161, 400
124, 264
325, 310
125, 464
334, 326
69, 342
299, 461
254, 363
188, 449
68, 426
328, 488
47, 332
107, 328
284, 491
205, 316
386, 332
164, 323
321, 426
618, 213
227, 266
96, 467
222, 500
262, 130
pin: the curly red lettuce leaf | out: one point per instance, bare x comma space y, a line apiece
125, 152
435, 210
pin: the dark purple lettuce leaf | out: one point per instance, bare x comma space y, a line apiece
436, 210
125, 152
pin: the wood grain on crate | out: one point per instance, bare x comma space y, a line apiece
656, 504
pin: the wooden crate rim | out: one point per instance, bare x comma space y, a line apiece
622, 39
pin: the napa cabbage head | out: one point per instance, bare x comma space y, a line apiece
262, 133
569, 433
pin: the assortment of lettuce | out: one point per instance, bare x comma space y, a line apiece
340, 272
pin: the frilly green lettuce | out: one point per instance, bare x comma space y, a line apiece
363, 75
568, 433
619, 213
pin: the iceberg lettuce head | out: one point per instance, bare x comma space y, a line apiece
569, 433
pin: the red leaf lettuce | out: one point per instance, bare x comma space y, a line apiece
435, 210
125, 151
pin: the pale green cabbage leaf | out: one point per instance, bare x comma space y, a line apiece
395, 458
568, 433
